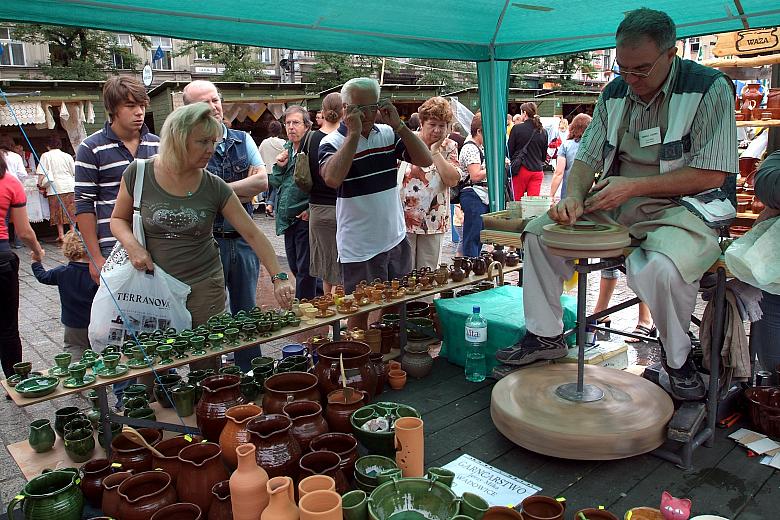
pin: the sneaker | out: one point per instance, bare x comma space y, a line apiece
533, 348
686, 382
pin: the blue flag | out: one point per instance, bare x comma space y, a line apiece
158, 54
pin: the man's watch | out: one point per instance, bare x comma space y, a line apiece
279, 276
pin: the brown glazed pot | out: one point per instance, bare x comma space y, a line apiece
340, 409
457, 274
220, 392
357, 367
170, 449
92, 475
324, 463
287, 387
479, 265
307, 420
380, 369
201, 468
277, 450
234, 433
130, 455
221, 506
110, 502
142, 495
181, 511
502, 513
344, 444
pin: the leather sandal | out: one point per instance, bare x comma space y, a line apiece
644, 331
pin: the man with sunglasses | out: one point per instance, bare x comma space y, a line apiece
360, 160
663, 141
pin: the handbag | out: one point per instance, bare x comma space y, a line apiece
466, 181
118, 255
302, 173
517, 160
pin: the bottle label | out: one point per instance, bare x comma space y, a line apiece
476, 335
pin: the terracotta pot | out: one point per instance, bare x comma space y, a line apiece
397, 379
324, 463
538, 507
595, 514
315, 483
380, 369
357, 367
142, 495
277, 450
341, 408
416, 361
221, 507
321, 505
307, 420
644, 513
502, 513
410, 446
373, 338
248, 485
182, 511
220, 393
200, 468
393, 365
92, 475
170, 449
281, 389
344, 444
130, 455
281, 505
110, 501
234, 433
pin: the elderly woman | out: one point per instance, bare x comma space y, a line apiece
178, 204
425, 192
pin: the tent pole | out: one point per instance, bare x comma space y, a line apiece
493, 79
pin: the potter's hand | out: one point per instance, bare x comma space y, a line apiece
609, 193
390, 114
283, 293
282, 158
567, 211
353, 120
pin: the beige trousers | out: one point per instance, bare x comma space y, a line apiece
426, 249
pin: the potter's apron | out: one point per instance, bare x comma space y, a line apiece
661, 224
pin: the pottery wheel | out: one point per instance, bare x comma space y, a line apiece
586, 239
629, 420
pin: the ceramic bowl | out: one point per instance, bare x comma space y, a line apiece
37, 386
433, 500
378, 443
369, 467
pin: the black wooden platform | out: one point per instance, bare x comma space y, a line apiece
456, 413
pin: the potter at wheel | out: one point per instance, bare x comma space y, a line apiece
586, 239
630, 419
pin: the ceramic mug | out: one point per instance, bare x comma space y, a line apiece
442, 475
294, 349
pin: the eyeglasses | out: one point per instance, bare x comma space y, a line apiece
293, 123
209, 143
617, 69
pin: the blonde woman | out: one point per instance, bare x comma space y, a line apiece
179, 202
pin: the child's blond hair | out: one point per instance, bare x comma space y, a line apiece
73, 247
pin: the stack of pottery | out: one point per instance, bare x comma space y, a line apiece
353, 356
281, 389
220, 392
235, 433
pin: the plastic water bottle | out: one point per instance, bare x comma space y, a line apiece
476, 339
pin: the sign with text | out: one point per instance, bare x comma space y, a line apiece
746, 43
497, 487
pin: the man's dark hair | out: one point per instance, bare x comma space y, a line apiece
647, 23
117, 89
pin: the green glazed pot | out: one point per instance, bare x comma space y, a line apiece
116, 429
249, 388
184, 399
80, 445
52, 495
142, 413
433, 500
63, 416
41, 437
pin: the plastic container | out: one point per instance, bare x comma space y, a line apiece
534, 206
476, 340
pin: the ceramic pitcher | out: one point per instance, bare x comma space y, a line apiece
200, 468
48, 496
282, 500
41, 437
248, 485
220, 393
277, 450
234, 433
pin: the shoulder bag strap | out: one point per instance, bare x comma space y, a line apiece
138, 227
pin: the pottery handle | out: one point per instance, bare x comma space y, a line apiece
18, 499
290, 398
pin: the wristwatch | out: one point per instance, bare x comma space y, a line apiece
279, 276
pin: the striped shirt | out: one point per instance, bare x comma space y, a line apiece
369, 215
712, 130
101, 159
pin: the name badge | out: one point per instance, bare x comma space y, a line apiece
649, 137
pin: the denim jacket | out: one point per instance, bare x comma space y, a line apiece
230, 162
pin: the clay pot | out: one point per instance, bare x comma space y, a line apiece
248, 485
51, 495
387, 334
512, 259
307, 420
380, 369
644, 513
538, 507
220, 393
109, 504
357, 367
321, 505
277, 450
410, 447
344, 444
457, 274
281, 505
593, 514
281, 389
130, 455
201, 468
750, 98
170, 449
397, 379
92, 475
234, 433
221, 506
479, 265
324, 463
315, 483
142, 495
502, 513
182, 511
393, 365
341, 408
416, 361
63, 416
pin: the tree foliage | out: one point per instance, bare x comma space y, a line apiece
240, 61
556, 69
452, 75
77, 52
331, 69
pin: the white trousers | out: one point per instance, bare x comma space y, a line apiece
426, 249
651, 275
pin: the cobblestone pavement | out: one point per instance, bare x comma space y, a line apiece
41, 331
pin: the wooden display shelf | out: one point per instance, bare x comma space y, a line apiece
502, 238
768, 123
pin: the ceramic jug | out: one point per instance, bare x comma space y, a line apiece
200, 468
281, 389
307, 420
92, 475
277, 450
221, 506
342, 404
479, 265
321, 505
248, 491
324, 463
234, 433
48, 496
130, 455
181, 511
281, 505
142, 495
110, 501
41, 437
357, 367
170, 448
219, 393
344, 444
409, 445
457, 274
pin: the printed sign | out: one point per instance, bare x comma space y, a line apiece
497, 487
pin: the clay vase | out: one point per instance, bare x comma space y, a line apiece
182, 511
248, 485
750, 99
277, 450
142, 495
41, 437
380, 369
457, 274
512, 259
479, 265
538, 507
220, 393
344, 444
340, 407
357, 367
234, 433
441, 275
499, 255
287, 387
109, 504
130, 455
594, 514
324, 463
92, 475
307, 420
410, 447
321, 505
51, 495
281, 505
315, 483
221, 506
502, 513
201, 468
170, 449
416, 361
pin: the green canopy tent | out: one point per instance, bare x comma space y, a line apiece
490, 32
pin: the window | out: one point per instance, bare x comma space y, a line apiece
265, 55
201, 54
166, 44
124, 40
12, 51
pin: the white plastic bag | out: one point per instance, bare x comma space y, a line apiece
755, 257
148, 301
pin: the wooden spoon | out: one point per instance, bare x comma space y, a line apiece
135, 436
347, 390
